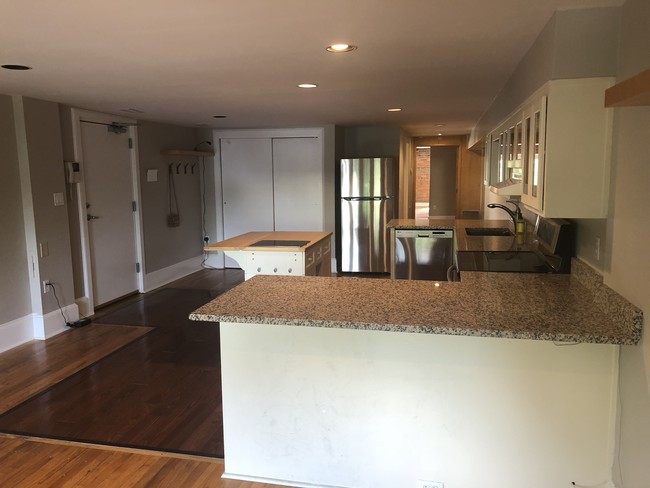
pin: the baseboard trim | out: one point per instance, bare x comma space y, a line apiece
35, 326
161, 277
52, 323
16, 332
273, 481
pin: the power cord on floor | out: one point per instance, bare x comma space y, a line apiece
75, 325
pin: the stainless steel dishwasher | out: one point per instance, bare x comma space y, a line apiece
422, 254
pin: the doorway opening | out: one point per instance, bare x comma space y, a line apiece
435, 181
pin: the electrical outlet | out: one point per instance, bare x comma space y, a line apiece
46, 286
430, 484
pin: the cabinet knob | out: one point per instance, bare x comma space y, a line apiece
275, 270
289, 270
259, 270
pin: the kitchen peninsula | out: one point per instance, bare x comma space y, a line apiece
279, 253
487, 381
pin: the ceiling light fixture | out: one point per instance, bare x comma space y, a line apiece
394, 109
340, 48
308, 85
16, 67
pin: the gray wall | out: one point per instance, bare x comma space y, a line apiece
574, 44
163, 245
14, 285
41, 160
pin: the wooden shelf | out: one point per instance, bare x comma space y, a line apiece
184, 152
632, 92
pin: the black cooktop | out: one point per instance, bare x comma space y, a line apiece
279, 243
503, 261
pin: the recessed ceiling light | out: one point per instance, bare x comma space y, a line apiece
308, 85
394, 109
439, 125
219, 116
439, 133
16, 67
340, 48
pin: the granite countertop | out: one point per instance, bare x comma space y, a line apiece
568, 308
244, 242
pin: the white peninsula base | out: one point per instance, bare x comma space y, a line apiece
320, 407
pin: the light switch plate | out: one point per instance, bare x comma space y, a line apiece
152, 175
59, 201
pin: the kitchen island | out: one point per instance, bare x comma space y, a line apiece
279, 253
349, 382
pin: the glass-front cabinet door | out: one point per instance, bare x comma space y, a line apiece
533, 171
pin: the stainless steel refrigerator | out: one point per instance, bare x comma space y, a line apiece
368, 202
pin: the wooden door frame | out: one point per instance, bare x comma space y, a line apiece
86, 303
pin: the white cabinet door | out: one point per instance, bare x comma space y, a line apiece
247, 176
298, 184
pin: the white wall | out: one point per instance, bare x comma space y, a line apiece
373, 409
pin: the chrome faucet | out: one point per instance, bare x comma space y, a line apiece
514, 216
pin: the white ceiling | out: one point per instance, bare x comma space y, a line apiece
182, 62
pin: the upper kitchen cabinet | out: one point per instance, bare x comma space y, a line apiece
554, 150
505, 157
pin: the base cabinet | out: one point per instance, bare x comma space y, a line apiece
315, 260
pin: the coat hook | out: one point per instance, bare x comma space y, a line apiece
178, 168
185, 167
193, 168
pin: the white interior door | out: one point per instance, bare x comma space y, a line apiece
111, 218
298, 184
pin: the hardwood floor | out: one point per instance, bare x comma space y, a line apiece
28, 463
161, 391
56, 359
115, 386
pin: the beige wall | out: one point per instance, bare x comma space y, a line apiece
627, 262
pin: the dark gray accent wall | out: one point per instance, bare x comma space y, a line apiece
165, 246
371, 142
14, 284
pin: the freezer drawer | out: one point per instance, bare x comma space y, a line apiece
422, 254
365, 240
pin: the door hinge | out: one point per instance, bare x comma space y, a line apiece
137, 267
135, 206
130, 143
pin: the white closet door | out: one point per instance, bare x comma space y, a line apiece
298, 184
247, 178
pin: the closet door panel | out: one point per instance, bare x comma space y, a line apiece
298, 184
247, 179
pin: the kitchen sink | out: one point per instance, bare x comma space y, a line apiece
488, 231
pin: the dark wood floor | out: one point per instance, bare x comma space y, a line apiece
160, 392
